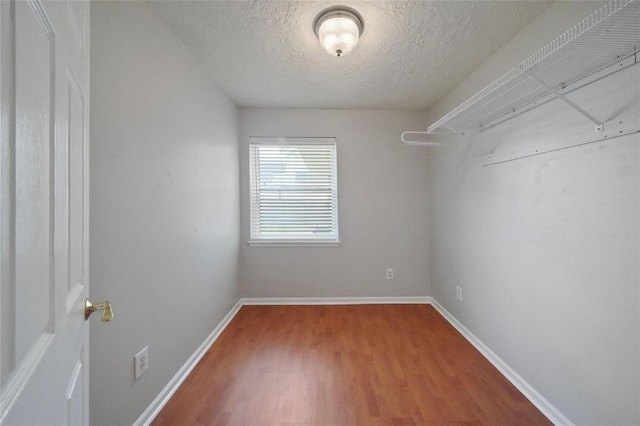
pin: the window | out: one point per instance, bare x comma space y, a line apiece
294, 194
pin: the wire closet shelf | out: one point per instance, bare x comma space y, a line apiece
603, 39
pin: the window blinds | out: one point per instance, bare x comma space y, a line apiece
293, 189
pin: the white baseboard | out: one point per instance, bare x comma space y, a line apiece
167, 392
541, 403
551, 412
335, 300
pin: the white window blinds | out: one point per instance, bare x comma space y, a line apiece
294, 195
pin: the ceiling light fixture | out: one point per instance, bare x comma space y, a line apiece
338, 29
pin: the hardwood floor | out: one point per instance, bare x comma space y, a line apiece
345, 365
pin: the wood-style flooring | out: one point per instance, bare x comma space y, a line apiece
345, 365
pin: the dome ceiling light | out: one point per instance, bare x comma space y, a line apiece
338, 29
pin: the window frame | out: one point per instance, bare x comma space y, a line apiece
298, 241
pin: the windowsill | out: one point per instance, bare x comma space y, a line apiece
293, 243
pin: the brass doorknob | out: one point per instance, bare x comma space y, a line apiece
105, 307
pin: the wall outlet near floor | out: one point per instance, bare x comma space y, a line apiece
389, 273
141, 362
459, 293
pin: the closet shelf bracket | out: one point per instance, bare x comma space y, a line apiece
406, 134
533, 76
459, 133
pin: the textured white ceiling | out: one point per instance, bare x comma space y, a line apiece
265, 54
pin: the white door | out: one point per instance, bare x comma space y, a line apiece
44, 206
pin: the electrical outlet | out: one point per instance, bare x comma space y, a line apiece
459, 293
141, 362
389, 273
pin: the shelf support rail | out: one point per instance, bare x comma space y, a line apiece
533, 76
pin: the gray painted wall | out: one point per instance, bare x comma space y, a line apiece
546, 248
164, 206
382, 204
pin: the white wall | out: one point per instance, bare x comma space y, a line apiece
546, 248
382, 206
164, 206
